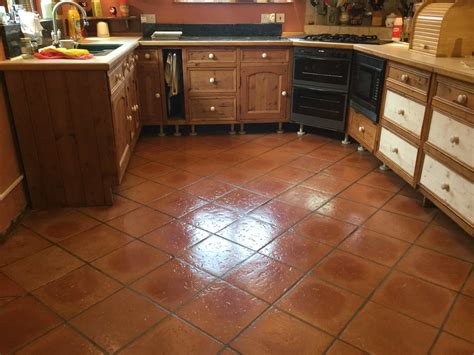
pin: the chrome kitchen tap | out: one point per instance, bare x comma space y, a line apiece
56, 33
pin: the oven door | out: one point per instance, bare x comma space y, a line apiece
319, 108
322, 72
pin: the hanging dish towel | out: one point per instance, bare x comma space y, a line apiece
172, 77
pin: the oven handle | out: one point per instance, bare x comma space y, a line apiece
319, 58
358, 64
317, 74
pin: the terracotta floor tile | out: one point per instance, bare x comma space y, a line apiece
395, 225
128, 181
222, 310
415, 298
237, 175
216, 255
251, 233
278, 333
442, 220
360, 160
175, 237
62, 340
446, 241
146, 192
177, 203
57, 225
304, 197
379, 330
331, 152
309, 163
347, 211
22, 320
209, 189
106, 213
136, 161
367, 195
296, 251
252, 149
321, 304
300, 147
259, 164
151, 170
173, 284
40, 268
270, 141
279, 214
383, 180
268, 186
241, 200
131, 261
230, 158
409, 191
448, 344
469, 286
432, 266
263, 277
290, 174
111, 329
211, 218
410, 207
76, 291
341, 348
461, 320
375, 246
346, 172
351, 272
326, 183
206, 167
95, 242
172, 336
140, 221
19, 244
9, 288
177, 179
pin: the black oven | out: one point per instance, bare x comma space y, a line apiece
367, 83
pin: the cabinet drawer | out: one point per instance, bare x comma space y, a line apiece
398, 150
147, 55
457, 95
404, 112
452, 137
116, 77
212, 81
213, 109
450, 187
362, 129
409, 77
265, 55
213, 56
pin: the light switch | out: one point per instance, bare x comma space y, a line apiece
280, 18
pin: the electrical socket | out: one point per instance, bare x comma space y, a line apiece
148, 18
267, 18
280, 18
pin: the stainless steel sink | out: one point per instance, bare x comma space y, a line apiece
99, 50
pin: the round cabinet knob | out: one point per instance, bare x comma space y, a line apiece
361, 129
135, 56
129, 117
134, 109
284, 93
461, 99
157, 95
425, 46
445, 187
454, 139
127, 65
211, 55
401, 112
147, 56
394, 150
264, 55
212, 108
212, 80
404, 78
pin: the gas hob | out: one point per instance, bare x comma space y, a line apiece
345, 38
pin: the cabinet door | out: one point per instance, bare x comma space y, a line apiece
149, 93
132, 107
121, 129
264, 93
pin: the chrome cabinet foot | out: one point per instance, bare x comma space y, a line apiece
162, 132
177, 133
346, 140
242, 129
301, 131
280, 128
232, 129
360, 148
384, 167
193, 130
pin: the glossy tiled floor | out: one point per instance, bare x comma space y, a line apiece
253, 244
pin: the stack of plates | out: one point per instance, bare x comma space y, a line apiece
166, 35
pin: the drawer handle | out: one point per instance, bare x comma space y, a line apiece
445, 187
157, 95
212, 80
264, 55
147, 56
284, 93
212, 108
394, 150
404, 78
361, 129
461, 99
134, 108
401, 112
211, 55
454, 139
129, 117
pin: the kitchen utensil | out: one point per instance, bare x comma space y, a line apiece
103, 29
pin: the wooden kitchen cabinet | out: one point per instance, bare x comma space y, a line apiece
362, 129
150, 92
121, 124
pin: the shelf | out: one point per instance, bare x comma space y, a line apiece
113, 18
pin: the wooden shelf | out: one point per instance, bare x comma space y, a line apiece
113, 18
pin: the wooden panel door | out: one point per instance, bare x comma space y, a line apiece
150, 93
264, 93
121, 119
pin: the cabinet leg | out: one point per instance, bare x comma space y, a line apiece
242, 129
162, 131
232, 129
360, 149
177, 133
427, 203
280, 128
193, 130
384, 167
346, 140
301, 131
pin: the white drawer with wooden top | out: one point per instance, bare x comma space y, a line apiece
399, 151
452, 137
410, 78
455, 97
404, 112
450, 187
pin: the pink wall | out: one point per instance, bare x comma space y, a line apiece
169, 12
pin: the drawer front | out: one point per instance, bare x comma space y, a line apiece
450, 187
147, 55
399, 151
362, 129
116, 77
212, 81
213, 109
211, 56
417, 80
459, 96
404, 112
452, 137
262, 55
